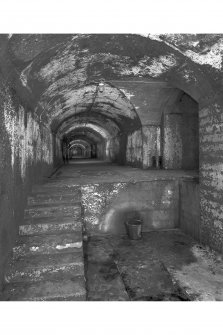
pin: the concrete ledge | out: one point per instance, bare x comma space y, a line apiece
49, 211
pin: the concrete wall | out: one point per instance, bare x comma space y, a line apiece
134, 149
107, 206
57, 152
172, 141
190, 207
113, 151
211, 174
151, 146
170, 128
100, 151
180, 135
26, 154
143, 147
161, 204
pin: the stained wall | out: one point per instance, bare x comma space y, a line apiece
26, 156
189, 208
211, 174
107, 206
180, 135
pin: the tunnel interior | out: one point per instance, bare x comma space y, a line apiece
102, 123
148, 110
100, 116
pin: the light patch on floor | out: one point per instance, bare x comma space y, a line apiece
204, 277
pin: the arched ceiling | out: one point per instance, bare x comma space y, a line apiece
88, 133
89, 100
87, 127
101, 126
79, 145
85, 143
53, 65
61, 72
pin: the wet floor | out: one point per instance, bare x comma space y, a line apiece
162, 266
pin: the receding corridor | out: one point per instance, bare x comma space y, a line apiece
111, 167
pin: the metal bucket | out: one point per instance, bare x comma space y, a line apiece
134, 229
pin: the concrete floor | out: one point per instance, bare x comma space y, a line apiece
162, 266
95, 171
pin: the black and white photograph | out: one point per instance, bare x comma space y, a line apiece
111, 162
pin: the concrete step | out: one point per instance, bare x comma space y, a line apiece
52, 211
62, 226
45, 267
52, 219
68, 290
47, 244
58, 188
53, 198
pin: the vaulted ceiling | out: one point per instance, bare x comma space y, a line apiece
61, 73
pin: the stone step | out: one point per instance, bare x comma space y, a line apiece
68, 290
52, 219
45, 267
53, 198
58, 188
52, 211
51, 228
47, 244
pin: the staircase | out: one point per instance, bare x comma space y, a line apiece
47, 261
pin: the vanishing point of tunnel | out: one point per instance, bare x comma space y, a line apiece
98, 131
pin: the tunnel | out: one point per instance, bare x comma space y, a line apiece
99, 113
96, 129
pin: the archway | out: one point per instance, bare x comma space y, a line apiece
101, 114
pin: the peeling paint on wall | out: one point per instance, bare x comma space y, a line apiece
28, 143
153, 67
212, 57
26, 154
161, 64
